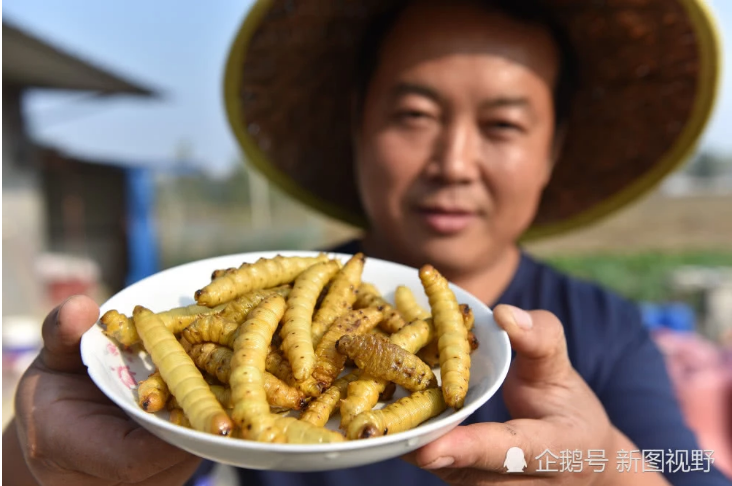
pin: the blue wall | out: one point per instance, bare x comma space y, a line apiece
142, 238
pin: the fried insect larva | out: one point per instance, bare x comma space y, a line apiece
279, 366
369, 296
382, 359
364, 393
404, 414
329, 362
473, 341
178, 417
320, 410
451, 334
238, 309
251, 408
297, 341
119, 327
407, 305
213, 358
280, 394
377, 331
223, 395
152, 393
430, 353
221, 271
181, 375
414, 336
213, 328
262, 274
468, 316
295, 431
122, 328
216, 360
220, 327
340, 296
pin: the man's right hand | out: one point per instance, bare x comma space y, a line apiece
70, 432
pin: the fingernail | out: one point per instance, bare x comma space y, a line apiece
522, 318
439, 463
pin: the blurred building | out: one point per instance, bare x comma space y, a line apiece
65, 220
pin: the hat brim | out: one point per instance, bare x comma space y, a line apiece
701, 105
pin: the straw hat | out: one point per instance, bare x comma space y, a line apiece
649, 73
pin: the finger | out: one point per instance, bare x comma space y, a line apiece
539, 342
483, 446
125, 452
62, 331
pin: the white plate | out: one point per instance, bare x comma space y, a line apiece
116, 373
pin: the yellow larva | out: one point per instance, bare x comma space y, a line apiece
297, 340
319, 411
407, 305
363, 394
369, 296
122, 328
329, 361
153, 393
264, 273
382, 359
451, 334
340, 297
238, 309
404, 414
294, 431
247, 368
181, 375
216, 360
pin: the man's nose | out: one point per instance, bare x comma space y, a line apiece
457, 153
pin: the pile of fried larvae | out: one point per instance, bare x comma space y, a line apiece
302, 334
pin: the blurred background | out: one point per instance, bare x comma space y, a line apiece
118, 162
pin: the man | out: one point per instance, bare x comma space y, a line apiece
462, 127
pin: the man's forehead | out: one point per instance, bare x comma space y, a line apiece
424, 33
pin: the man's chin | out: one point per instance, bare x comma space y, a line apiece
452, 254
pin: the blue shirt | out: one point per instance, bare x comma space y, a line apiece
609, 348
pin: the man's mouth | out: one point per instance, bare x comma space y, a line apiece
446, 220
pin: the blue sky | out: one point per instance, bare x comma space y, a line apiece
180, 48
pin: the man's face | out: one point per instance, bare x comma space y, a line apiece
455, 142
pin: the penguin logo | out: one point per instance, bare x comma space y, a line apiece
515, 462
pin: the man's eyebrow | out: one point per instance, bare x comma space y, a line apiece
507, 102
403, 89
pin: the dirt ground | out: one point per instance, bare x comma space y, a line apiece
658, 223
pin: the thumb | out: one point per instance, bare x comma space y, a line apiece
62, 331
539, 341
482, 446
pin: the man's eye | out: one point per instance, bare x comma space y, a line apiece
501, 126
411, 114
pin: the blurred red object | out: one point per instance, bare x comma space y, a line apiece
701, 372
67, 275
